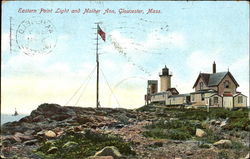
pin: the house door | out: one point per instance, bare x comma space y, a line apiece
187, 99
228, 102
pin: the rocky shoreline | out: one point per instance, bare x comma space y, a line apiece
52, 130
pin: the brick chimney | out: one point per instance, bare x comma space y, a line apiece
214, 67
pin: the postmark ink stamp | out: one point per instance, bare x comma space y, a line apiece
35, 36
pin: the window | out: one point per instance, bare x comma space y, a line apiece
215, 100
226, 84
202, 97
201, 85
240, 99
193, 98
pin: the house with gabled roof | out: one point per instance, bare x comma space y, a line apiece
217, 89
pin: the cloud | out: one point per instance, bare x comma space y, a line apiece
23, 64
138, 53
58, 67
157, 39
201, 61
241, 65
240, 70
154, 40
183, 86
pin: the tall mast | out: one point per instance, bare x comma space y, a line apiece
10, 35
97, 67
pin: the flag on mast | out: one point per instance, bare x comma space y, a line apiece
101, 33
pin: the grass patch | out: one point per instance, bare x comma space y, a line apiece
193, 114
238, 124
223, 155
87, 145
237, 119
174, 129
204, 145
146, 108
157, 133
187, 120
238, 145
214, 113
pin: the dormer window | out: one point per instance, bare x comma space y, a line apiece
226, 84
201, 85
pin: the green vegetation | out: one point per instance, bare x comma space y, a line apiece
223, 155
78, 145
173, 129
187, 120
204, 145
238, 124
148, 108
214, 113
237, 145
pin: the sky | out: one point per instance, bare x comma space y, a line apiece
187, 37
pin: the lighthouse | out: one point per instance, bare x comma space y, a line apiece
165, 78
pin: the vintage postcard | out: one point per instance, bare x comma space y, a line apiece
125, 79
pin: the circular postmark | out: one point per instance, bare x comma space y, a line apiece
36, 36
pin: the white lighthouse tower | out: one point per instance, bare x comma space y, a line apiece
165, 78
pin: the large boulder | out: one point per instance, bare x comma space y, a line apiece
50, 108
223, 144
109, 151
52, 111
50, 134
46, 116
200, 133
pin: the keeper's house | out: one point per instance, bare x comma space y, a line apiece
216, 89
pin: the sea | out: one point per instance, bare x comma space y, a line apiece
10, 118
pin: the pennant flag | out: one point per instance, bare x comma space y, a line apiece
101, 33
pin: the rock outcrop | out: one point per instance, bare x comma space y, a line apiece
52, 129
